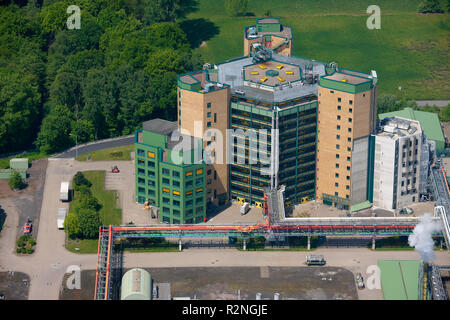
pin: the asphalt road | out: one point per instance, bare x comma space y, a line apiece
439, 103
98, 145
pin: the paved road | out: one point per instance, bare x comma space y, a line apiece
439, 103
46, 267
98, 145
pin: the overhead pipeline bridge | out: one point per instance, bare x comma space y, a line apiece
109, 260
442, 194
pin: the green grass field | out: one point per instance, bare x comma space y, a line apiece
84, 246
118, 153
410, 50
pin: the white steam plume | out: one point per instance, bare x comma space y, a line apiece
421, 238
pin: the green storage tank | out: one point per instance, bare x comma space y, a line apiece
136, 285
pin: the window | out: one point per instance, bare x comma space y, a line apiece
166, 219
175, 174
176, 183
339, 107
337, 156
141, 190
199, 210
176, 213
198, 181
165, 190
350, 102
166, 181
141, 171
339, 99
166, 210
208, 114
199, 190
176, 193
176, 221
166, 172
349, 129
336, 184
208, 124
349, 149
338, 146
331, 91
336, 175
151, 183
199, 200
348, 177
189, 193
338, 137
151, 192
140, 152
189, 212
166, 200
350, 110
141, 162
350, 120
348, 158
189, 173
189, 221
348, 168
208, 105
338, 127
176, 203
199, 171
347, 187
337, 165
189, 203
151, 154
339, 117
141, 181
215, 117
208, 172
349, 139
151, 173
151, 164
189, 183
215, 174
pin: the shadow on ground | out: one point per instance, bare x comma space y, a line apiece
199, 30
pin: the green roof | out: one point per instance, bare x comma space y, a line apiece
400, 279
360, 206
428, 120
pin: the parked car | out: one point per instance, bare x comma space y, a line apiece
27, 227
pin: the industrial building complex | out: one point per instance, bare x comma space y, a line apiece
270, 119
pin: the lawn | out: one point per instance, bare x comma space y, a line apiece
84, 246
32, 155
117, 153
109, 213
409, 50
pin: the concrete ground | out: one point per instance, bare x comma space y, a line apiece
14, 285
446, 164
223, 283
232, 214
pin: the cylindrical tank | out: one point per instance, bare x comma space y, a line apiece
136, 285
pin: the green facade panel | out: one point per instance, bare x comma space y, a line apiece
179, 191
345, 86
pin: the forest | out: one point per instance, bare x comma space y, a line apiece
61, 86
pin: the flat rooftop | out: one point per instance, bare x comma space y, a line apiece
233, 72
272, 73
347, 78
396, 127
160, 126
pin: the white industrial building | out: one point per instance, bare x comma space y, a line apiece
400, 164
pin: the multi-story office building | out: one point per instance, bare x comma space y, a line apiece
168, 177
400, 163
347, 118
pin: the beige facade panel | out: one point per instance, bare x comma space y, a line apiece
200, 112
